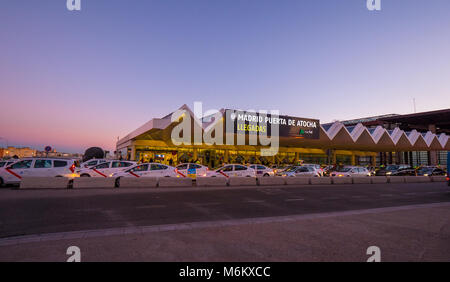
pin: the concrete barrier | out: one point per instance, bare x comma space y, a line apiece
138, 182
94, 182
242, 181
297, 180
271, 181
211, 181
417, 179
320, 180
361, 180
342, 180
438, 178
175, 182
378, 179
396, 179
44, 183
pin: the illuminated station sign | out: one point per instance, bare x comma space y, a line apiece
258, 123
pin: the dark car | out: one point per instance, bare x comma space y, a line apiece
429, 171
390, 169
404, 172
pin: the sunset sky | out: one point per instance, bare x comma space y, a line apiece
78, 79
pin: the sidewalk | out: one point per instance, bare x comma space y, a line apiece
417, 234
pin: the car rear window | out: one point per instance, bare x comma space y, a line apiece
157, 167
59, 163
43, 164
103, 165
240, 167
140, 168
22, 164
183, 166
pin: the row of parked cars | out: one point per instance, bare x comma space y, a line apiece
12, 171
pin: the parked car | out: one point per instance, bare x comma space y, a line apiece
233, 170
105, 169
192, 170
317, 167
262, 170
351, 171
388, 170
92, 162
300, 171
42, 167
404, 172
430, 170
372, 170
279, 168
147, 170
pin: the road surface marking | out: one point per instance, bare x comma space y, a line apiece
254, 201
151, 207
206, 204
331, 198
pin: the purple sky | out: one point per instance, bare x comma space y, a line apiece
78, 79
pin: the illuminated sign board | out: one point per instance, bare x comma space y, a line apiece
257, 123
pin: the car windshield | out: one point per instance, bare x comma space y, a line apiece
392, 167
292, 168
426, 169
345, 169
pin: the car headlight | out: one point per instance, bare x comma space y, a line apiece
388, 173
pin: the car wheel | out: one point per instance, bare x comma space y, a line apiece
58, 176
266, 175
85, 175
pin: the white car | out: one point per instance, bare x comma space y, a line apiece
40, 167
192, 170
147, 170
317, 167
105, 169
92, 162
262, 170
233, 170
297, 171
351, 171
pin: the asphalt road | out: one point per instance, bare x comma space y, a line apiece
29, 212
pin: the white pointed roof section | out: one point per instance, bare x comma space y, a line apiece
444, 140
339, 135
362, 137
401, 140
418, 141
158, 128
432, 141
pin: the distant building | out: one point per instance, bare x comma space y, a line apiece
21, 152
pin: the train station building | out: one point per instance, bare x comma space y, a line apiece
415, 139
